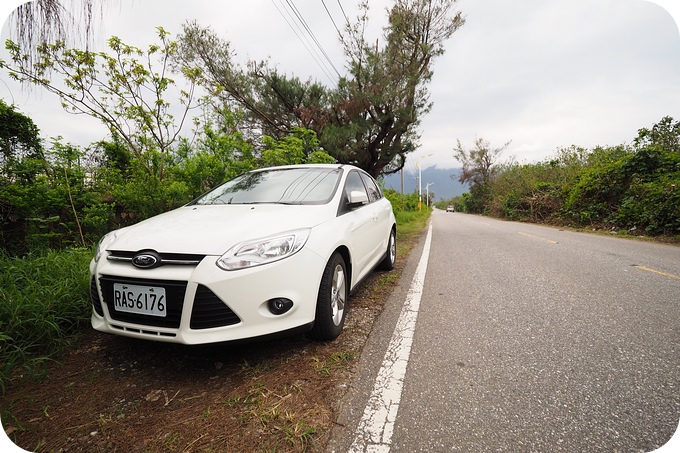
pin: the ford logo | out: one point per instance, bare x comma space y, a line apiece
146, 260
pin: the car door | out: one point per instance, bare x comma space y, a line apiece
382, 213
361, 227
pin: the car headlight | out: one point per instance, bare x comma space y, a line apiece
263, 251
103, 243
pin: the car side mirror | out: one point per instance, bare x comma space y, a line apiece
357, 198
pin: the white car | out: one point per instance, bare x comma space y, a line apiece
274, 251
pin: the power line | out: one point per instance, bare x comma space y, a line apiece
305, 44
331, 17
343, 13
304, 35
311, 33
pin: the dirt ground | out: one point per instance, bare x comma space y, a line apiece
117, 394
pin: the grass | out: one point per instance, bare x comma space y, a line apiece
271, 409
338, 359
43, 302
410, 224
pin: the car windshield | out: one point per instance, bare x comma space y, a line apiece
311, 185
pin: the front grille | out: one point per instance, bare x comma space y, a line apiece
177, 259
209, 311
94, 297
174, 293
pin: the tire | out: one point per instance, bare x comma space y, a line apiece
331, 301
387, 264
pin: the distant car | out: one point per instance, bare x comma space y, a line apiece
274, 251
449, 208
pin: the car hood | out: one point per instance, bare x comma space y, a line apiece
213, 229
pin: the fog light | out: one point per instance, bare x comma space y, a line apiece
280, 306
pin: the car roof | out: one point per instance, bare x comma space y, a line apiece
279, 167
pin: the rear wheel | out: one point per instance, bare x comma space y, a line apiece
330, 303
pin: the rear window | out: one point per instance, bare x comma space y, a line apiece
276, 186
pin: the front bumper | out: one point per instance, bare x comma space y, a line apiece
207, 304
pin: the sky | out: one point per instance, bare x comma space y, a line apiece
541, 74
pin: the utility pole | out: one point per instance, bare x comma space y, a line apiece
402, 180
420, 181
427, 188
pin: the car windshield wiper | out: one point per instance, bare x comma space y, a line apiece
273, 202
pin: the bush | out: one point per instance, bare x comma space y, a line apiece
402, 203
638, 191
651, 207
635, 188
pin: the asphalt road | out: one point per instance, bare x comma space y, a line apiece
528, 338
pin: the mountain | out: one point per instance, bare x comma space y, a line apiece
441, 183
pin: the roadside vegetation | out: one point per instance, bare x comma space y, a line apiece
633, 189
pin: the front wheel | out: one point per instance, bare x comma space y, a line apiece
387, 264
330, 303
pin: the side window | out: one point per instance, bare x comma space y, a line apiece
374, 193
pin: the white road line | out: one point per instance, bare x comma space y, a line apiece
374, 433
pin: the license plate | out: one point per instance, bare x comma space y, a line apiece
143, 300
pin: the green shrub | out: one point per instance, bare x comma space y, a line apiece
402, 203
651, 207
621, 187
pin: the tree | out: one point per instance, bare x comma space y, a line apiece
21, 161
126, 91
478, 162
664, 134
19, 139
370, 119
274, 105
479, 167
376, 112
301, 147
40, 21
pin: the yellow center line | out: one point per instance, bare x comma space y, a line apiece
658, 272
536, 237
